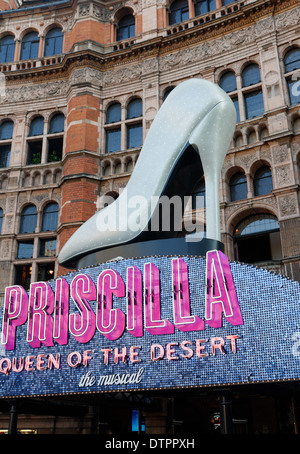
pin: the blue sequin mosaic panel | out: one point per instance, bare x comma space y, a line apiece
267, 347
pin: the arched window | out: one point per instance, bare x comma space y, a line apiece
291, 64
254, 104
30, 46
238, 187
167, 92
134, 108
262, 182
1, 220
126, 27
134, 129
257, 238
55, 139
54, 42
6, 133
251, 75
36, 127
228, 84
204, 6
198, 195
7, 49
113, 113
113, 134
57, 123
179, 12
6, 130
50, 217
35, 145
28, 219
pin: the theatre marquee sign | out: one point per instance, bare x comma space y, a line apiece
150, 323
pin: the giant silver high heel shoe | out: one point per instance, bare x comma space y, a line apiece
197, 117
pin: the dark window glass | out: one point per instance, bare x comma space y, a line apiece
126, 27
167, 92
7, 49
25, 250
257, 239
113, 140
251, 75
50, 217
48, 247
4, 156
198, 196
1, 220
254, 104
237, 108
6, 130
113, 113
294, 91
23, 275
238, 187
263, 183
30, 46
55, 148
134, 135
135, 108
34, 152
228, 82
292, 60
45, 272
28, 219
204, 6
54, 42
179, 12
57, 124
227, 2
36, 127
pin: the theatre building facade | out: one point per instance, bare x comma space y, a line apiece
80, 85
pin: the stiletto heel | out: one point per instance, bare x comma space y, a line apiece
197, 113
212, 139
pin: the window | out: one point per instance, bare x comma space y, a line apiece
113, 135
179, 12
7, 49
35, 146
28, 219
238, 187
204, 6
134, 130
128, 132
1, 220
30, 46
45, 272
167, 92
263, 183
254, 105
48, 247
198, 195
6, 133
25, 250
126, 27
50, 217
257, 238
23, 275
54, 42
228, 84
55, 141
291, 65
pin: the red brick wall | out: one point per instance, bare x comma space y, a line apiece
80, 188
